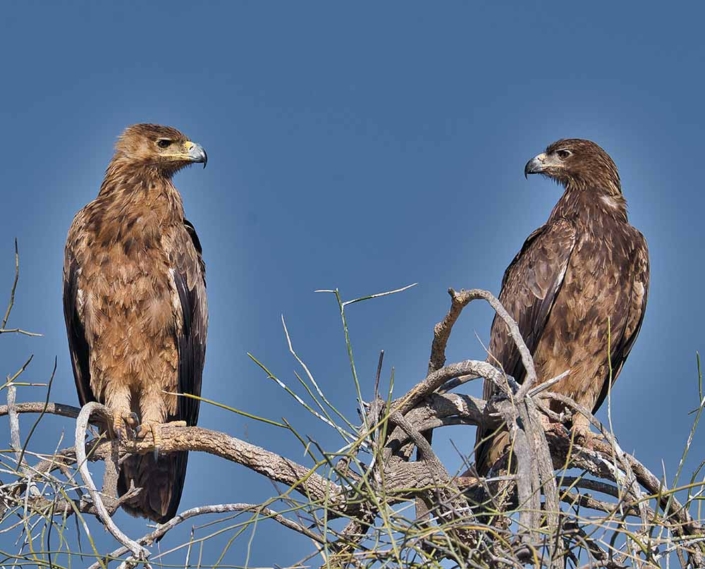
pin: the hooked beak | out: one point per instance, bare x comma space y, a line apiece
536, 165
196, 153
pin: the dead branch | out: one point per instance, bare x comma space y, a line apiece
642, 475
139, 553
465, 297
14, 422
262, 513
534, 464
442, 330
437, 378
400, 479
38, 407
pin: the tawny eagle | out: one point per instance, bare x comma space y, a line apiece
135, 306
577, 289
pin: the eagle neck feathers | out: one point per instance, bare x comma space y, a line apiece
135, 205
585, 205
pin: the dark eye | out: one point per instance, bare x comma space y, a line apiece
563, 154
163, 142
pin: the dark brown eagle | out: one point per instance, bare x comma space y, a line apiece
135, 306
577, 289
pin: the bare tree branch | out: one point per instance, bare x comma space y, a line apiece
138, 552
38, 407
163, 529
15, 442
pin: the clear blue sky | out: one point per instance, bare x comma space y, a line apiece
364, 147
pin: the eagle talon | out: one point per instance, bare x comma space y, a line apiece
586, 438
123, 424
150, 427
132, 420
154, 428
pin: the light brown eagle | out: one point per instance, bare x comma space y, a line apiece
135, 306
577, 289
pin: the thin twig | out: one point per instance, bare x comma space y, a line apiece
11, 303
42, 412
163, 529
19, 331
546, 384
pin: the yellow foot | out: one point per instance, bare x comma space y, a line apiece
558, 429
150, 427
122, 419
582, 434
588, 439
550, 426
155, 428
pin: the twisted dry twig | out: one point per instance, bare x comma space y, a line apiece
138, 552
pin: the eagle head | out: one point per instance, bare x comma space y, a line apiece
160, 147
577, 163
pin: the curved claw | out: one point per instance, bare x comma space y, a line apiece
155, 428
122, 419
582, 433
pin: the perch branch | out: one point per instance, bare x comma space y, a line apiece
310, 484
